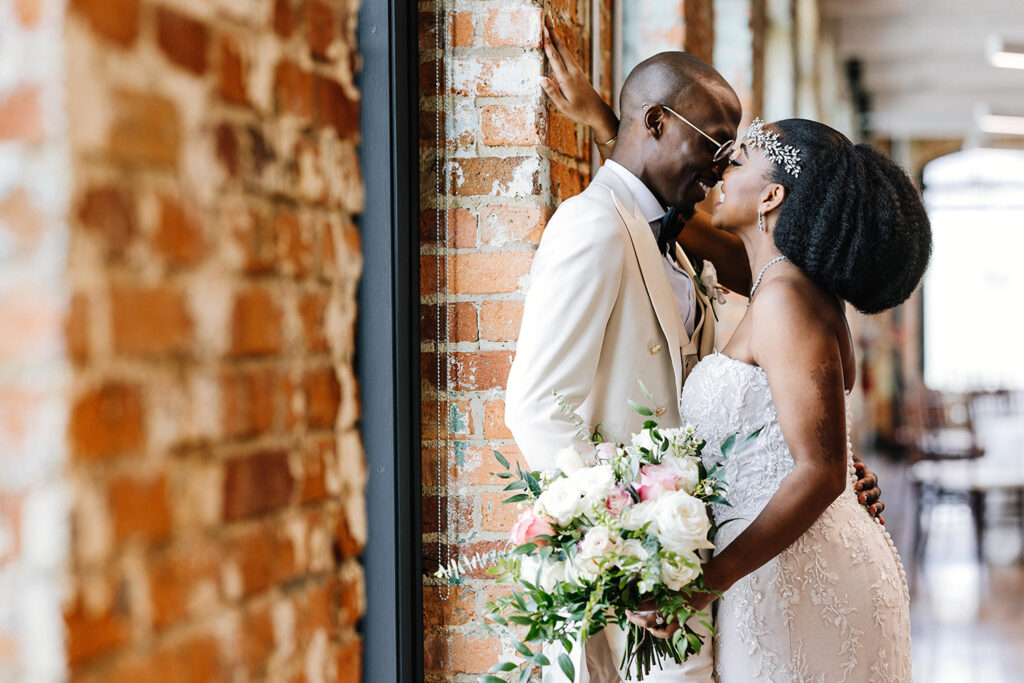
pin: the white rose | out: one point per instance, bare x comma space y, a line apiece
599, 541
687, 470
550, 572
595, 484
632, 555
561, 501
676, 574
597, 544
635, 516
682, 522
569, 460
584, 568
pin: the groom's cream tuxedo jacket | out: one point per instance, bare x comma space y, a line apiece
600, 314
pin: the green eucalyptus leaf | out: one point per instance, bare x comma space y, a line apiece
540, 659
490, 678
500, 458
565, 664
518, 498
643, 388
640, 408
729, 445
505, 666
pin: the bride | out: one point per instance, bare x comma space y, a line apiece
812, 588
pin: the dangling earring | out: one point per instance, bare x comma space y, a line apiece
760, 221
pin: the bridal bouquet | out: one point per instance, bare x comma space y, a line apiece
605, 532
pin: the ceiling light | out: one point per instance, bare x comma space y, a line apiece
1004, 53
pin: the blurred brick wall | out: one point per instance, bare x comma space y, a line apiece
511, 159
34, 372
216, 473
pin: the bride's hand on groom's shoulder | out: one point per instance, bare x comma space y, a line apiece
868, 491
570, 89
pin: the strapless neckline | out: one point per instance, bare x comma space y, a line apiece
719, 354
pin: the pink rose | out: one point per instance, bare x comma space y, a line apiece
619, 500
529, 526
606, 451
654, 479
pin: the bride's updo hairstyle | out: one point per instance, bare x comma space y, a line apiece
852, 219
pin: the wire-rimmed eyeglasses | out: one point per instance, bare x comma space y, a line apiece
722, 149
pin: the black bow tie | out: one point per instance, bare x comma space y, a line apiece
671, 226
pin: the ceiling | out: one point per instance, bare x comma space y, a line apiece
924, 62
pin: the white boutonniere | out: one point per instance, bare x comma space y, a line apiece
707, 280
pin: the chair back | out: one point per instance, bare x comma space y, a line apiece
939, 426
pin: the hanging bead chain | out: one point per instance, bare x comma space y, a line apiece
761, 275
443, 263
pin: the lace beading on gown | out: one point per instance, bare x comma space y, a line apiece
833, 606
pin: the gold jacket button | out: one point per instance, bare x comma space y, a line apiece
660, 411
655, 348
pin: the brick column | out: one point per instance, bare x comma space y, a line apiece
216, 472
33, 354
509, 160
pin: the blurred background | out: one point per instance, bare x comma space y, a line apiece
240, 239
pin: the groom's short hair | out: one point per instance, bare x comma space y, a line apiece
676, 79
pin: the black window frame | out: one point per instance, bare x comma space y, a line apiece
387, 346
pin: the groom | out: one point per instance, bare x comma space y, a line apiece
613, 298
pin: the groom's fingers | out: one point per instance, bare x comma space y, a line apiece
865, 480
870, 496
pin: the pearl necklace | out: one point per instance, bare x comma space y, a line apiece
761, 275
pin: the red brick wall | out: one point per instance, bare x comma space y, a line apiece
216, 472
510, 160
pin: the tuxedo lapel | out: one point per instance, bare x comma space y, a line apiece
699, 344
658, 288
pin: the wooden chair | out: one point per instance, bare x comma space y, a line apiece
942, 445
948, 461
991, 413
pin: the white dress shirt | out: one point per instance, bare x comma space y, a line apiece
682, 285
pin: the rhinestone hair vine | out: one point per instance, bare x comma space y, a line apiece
786, 155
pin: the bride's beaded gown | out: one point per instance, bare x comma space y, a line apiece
834, 605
